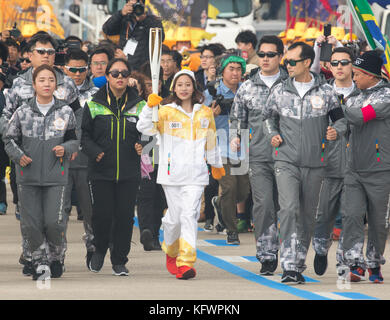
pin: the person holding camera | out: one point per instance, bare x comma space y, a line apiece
132, 24
246, 115
235, 188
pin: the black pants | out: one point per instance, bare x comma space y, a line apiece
113, 213
151, 204
14, 187
210, 191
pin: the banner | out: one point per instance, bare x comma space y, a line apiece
321, 10
30, 16
365, 19
182, 19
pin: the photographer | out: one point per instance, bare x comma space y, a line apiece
133, 24
235, 188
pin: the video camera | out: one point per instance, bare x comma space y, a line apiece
225, 104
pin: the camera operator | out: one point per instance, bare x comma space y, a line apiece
133, 24
235, 188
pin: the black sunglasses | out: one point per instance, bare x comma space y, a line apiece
262, 54
344, 62
116, 73
27, 60
76, 69
293, 62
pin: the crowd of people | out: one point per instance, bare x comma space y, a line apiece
262, 138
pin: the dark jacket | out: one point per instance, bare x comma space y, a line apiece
128, 29
106, 128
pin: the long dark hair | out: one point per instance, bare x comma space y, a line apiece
197, 95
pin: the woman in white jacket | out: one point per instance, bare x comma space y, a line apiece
187, 135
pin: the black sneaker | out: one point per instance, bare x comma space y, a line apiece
97, 262
232, 238
42, 273
268, 267
220, 228
147, 239
320, 264
120, 270
22, 260
208, 226
156, 245
292, 277
88, 258
56, 269
28, 269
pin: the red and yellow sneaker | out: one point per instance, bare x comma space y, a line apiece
171, 265
185, 272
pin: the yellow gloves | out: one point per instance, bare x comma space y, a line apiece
217, 173
154, 100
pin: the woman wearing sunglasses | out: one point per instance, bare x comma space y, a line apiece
109, 137
40, 139
25, 61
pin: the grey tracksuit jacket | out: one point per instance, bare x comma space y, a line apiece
35, 135
367, 179
302, 123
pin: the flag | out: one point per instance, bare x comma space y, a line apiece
365, 19
30, 13
321, 10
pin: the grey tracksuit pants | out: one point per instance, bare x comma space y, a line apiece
43, 220
265, 207
298, 191
79, 179
366, 192
331, 202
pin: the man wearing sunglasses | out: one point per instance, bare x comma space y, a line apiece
246, 111
76, 67
367, 178
330, 206
42, 51
297, 117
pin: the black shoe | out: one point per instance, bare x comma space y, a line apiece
97, 262
120, 270
56, 269
268, 267
208, 226
220, 228
292, 277
147, 239
23, 261
41, 273
28, 269
156, 244
320, 264
88, 258
232, 238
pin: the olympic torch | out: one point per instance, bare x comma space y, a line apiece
155, 43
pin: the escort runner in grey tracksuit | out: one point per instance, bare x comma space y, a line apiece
41, 184
247, 113
78, 171
332, 194
367, 179
299, 160
21, 91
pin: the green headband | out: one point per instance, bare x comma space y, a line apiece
235, 59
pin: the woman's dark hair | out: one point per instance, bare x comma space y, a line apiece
111, 62
197, 95
145, 70
41, 68
141, 78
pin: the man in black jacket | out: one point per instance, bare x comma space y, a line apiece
133, 30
